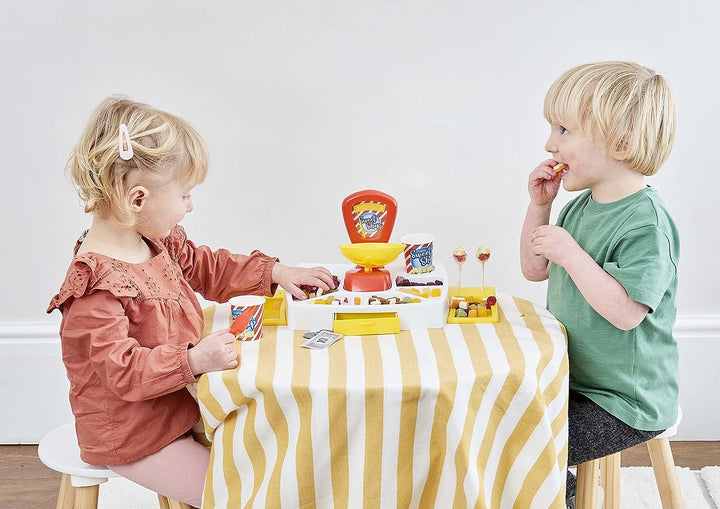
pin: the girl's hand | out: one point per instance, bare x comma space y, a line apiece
291, 278
554, 243
544, 183
214, 353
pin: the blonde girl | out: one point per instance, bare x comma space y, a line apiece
130, 317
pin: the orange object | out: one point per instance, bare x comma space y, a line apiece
247, 317
455, 303
560, 167
369, 216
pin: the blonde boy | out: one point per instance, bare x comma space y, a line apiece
611, 260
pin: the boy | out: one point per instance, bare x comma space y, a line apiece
611, 261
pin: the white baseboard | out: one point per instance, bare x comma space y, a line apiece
33, 384
34, 387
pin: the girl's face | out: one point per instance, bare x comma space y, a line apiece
165, 206
588, 162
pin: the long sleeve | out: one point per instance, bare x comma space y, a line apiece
219, 275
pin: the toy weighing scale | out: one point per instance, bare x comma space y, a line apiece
369, 219
369, 299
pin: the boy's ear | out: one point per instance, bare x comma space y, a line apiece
136, 198
620, 151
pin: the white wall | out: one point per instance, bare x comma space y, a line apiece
303, 102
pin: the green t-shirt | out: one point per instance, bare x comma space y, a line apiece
631, 374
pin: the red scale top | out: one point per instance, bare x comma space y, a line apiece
369, 216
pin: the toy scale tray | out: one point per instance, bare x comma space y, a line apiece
428, 309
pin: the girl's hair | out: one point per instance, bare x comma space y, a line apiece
625, 104
165, 147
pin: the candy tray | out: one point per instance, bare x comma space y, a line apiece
427, 307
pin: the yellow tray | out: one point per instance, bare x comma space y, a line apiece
275, 311
473, 292
360, 324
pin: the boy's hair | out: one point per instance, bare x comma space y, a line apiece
165, 147
625, 104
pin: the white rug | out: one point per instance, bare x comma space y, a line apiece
701, 490
711, 477
639, 491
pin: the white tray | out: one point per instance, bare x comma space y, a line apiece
429, 313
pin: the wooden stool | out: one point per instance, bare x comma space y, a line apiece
609, 469
80, 483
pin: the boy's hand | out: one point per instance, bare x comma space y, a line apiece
544, 183
554, 243
214, 353
291, 278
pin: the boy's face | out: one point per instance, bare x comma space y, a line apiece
588, 163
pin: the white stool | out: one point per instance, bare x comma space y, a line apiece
80, 482
609, 469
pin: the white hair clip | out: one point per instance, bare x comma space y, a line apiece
123, 140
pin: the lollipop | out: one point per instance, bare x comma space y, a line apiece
460, 257
483, 254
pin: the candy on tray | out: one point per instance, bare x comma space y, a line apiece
403, 281
472, 307
376, 299
315, 291
425, 293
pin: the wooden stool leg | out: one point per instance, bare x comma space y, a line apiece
174, 504
86, 497
169, 503
610, 480
665, 473
66, 495
586, 492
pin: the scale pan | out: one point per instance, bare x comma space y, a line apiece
371, 254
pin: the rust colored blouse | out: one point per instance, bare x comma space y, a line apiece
125, 332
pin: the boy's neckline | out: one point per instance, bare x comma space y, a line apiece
620, 197
619, 201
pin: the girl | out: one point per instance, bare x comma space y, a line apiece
130, 318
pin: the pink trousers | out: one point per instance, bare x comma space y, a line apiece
176, 471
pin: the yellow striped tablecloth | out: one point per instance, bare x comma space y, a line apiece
472, 415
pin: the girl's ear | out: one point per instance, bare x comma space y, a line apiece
136, 197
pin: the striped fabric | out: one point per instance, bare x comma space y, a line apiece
472, 415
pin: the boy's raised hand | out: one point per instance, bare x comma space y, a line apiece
544, 183
291, 278
214, 353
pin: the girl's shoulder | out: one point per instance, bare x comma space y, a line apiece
89, 272
175, 242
